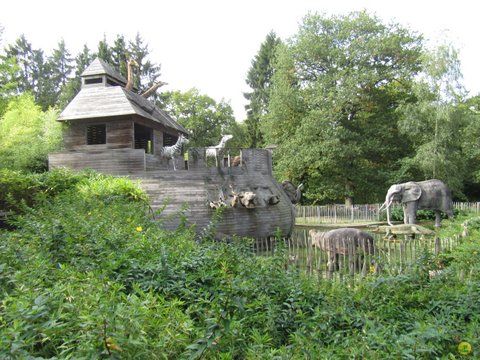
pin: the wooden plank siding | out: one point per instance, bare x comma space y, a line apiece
110, 161
189, 193
119, 133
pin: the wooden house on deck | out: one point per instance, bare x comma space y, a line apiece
112, 129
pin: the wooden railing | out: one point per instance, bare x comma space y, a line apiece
337, 213
388, 257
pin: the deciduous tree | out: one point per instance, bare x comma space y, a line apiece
206, 118
336, 86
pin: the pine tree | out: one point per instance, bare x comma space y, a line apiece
82, 60
34, 73
149, 72
61, 66
104, 51
259, 79
22, 51
120, 55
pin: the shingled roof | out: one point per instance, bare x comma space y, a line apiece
100, 67
110, 101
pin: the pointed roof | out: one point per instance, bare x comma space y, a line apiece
108, 101
100, 67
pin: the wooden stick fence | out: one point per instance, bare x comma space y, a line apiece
346, 261
337, 213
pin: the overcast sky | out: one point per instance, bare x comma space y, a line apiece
209, 44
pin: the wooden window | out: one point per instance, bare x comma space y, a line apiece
143, 138
97, 80
112, 83
96, 134
169, 140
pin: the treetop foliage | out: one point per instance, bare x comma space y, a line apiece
206, 118
331, 112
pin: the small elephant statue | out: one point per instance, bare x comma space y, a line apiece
343, 241
430, 194
293, 193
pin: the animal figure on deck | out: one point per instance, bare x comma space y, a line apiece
169, 152
213, 151
344, 241
129, 85
130, 64
294, 193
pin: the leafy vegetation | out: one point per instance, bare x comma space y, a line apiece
206, 118
27, 135
355, 104
85, 271
86, 274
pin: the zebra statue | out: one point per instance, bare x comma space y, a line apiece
169, 152
213, 151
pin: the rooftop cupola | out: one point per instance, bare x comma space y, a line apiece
99, 73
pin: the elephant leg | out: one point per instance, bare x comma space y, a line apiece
438, 218
405, 214
410, 213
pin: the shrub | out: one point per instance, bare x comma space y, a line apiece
87, 275
20, 190
27, 135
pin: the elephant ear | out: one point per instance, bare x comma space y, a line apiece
289, 189
412, 192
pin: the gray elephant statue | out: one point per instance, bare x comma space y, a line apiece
294, 193
430, 194
344, 241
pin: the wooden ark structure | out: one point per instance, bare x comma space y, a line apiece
112, 129
115, 130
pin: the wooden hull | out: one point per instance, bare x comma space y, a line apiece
194, 193
187, 194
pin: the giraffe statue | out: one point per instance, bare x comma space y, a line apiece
212, 151
130, 64
153, 88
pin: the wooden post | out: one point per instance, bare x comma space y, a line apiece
352, 254
438, 246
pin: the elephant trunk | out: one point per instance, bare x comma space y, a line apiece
298, 193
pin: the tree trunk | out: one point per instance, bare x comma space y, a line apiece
348, 193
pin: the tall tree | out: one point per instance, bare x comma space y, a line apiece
34, 71
104, 51
23, 53
148, 72
120, 54
436, 121
82, 60
206, 119
62, 67
335, 89
259, 79
8, 78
